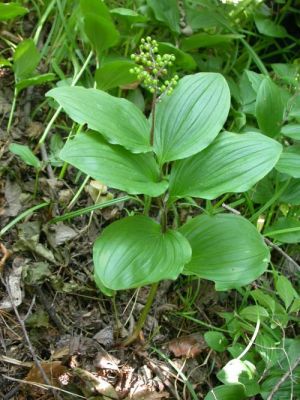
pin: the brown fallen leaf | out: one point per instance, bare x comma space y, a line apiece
188, 346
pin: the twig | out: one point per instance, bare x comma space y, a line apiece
35, 359
283, 253
267, 241
283, 379
50, 309
45, 158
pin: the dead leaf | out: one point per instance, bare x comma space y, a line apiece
14, 285
54, 371
105, 336
12, 195
59, 234
187, 346
29, 234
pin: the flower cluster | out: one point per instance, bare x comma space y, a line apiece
152, 68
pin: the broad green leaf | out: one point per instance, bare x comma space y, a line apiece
288, 229
227, 249
183, 60
292, 131
128, 15
25, 154
113, 165
292, 193
11, 10
232, 163
204, 19
4, 62
253, 313
203, 40
216, 340
268, 27
101, 32
26, 59
134, 252
187, 121
269, 108
289, 162
118, 120
227, 392
35, 80
243, 372
114, 74
166, 11
263, 299
96, 7
255, 79
287, 72
268, 348
285, 290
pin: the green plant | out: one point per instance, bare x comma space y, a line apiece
189, 158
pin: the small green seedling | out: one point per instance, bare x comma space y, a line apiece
28, 158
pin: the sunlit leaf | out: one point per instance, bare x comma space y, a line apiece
187, 121
118, 120
113, 165
227, 249
11, 10
232, 163
227, 392
134, 252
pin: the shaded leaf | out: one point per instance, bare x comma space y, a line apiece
166, 11
101, 32
26, 59
289, 162
227, 249
25, 154
285, 290
35, 80
268, 27
118, 120
269, 108
113, 165
183, 60
191, 118
128, 15
290, 225
292, 131
203, 40
253, 313
114, 74
134, 252
232, 163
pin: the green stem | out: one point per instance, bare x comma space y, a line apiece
13, 107
57, 112
141, 321
153, 119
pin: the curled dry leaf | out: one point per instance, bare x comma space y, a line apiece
13, 283
187, 346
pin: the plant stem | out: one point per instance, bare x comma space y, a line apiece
153, 118
12, 110
141, 321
